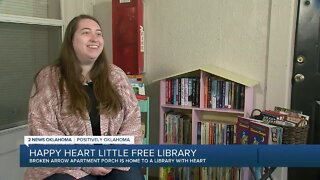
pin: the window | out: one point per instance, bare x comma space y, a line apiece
30, 39
48, 9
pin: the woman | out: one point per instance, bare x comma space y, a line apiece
79, 95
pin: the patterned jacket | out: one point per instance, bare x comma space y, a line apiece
48, 118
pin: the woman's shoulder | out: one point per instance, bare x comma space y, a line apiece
50, 69
116, 72
46, 81
48, 72
117, 75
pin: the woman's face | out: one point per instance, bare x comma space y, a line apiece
87, 41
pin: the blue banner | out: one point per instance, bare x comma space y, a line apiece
169, 155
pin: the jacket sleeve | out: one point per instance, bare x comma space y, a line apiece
131, 124
43, 120
43, 107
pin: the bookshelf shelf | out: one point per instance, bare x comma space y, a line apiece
200, 109
170, 106
191, 89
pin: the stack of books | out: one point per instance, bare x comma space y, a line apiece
285, 117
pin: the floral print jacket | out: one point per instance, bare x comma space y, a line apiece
47, 117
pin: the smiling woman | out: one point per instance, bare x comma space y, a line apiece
81, 95
87, 43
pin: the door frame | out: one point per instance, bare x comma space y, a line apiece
280, 53
279, 59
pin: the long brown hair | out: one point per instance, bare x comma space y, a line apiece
70, 70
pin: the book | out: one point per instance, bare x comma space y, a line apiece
261, 133
243, 125
214, 84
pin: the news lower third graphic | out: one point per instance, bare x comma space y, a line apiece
103, 153
78, 140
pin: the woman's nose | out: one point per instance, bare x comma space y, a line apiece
94, 38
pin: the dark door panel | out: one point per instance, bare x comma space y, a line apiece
316, 115
305, 93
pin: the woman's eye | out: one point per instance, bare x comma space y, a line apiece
85, 32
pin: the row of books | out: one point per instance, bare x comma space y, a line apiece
224, 173
285, 117
183, 173
220, 93
252, 131
216, 133
177, 128
197, 173
183, 91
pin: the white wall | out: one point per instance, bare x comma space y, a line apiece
102, 10
184, 34
9, 153
72, 8
254, 38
